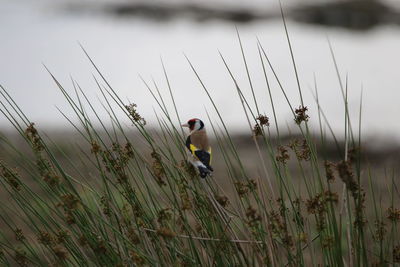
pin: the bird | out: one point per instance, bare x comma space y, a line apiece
199, 146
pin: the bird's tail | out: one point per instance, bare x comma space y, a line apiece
203, 169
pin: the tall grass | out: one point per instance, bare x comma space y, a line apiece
144, 204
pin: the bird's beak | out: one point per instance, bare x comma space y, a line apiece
185, 125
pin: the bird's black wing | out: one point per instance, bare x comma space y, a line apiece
188, 143
202, 155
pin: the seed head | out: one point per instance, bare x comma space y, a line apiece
264, 120
19, 235
82, 240
11, 176
301, 149
95, 147
186, 202
134, 115
380, 231
136, 258
199, 229
105, 205
241, 188
252, 185
353, 153
189, 168
329, 171
158, 168
164, 216
257, 131
393, 214
330, 196
45, 238
303, 237
69, 218
360, 220
327, 242
51, 179
100, 247
287, 241
396, 254
252, 216
317, 205
61, 236
222, 200
301, 115
128, 150
283, 155
60, 252
276, 224
21, 257
133, 236
32, 135
166, 232
69, 202
347, 176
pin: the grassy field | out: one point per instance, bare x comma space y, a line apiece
105, 195
232, 194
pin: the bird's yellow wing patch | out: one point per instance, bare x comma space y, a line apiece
201, 155
193, 148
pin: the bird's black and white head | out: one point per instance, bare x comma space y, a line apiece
194, 125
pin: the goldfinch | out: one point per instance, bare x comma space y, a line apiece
199, 147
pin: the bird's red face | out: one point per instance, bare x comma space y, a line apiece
194, 124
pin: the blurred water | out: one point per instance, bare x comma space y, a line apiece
36, 33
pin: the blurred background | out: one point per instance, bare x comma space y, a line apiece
127, 39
